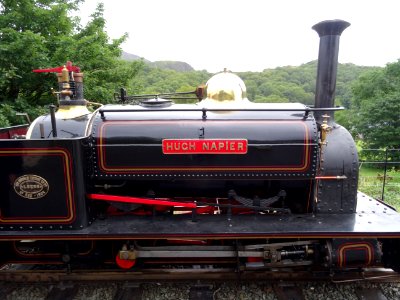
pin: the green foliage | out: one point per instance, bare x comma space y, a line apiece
3, 119
376, 107
283, 84
371, 183
91, 50
154, 80
29, 31
9, 110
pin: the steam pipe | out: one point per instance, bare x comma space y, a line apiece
329, 32
53, 120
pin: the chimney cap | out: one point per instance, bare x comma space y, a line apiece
330, 27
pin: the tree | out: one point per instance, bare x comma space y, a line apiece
41, 34
376, 100
90, 48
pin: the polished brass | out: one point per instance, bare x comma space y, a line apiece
64, 75
64, 86
71, 111
224, 87
70, 108
31, 186
127, 253
325, 129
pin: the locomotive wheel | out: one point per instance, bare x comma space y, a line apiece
124, 263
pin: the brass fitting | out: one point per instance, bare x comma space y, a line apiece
127, 254
64, 75
325, 129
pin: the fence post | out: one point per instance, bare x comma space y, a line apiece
384, 175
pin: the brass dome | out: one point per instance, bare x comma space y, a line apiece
225, 87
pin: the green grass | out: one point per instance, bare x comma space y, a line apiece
371, 183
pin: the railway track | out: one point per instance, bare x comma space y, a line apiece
20, 282
200, 291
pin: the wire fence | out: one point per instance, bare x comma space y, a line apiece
380, 174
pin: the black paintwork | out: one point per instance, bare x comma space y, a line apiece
282, 151
338, 157
329, 33
372, 220
354, 252
131, 143
66, 128
60, 163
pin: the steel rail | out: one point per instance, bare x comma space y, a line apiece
369, 275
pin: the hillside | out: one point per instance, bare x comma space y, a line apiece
130, 57
283, 84
178, 66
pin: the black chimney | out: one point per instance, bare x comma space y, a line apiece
329, 32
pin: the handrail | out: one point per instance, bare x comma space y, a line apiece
204, 110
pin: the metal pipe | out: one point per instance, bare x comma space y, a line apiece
384, 175
41, 129
53, 120
329, 32
136, 200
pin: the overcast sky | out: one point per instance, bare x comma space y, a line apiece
251, 35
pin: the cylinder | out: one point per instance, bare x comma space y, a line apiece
78, 86
329, 32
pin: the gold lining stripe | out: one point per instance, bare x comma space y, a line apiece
358, 246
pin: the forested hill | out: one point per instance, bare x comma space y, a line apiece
297, 84
179, 66
283, 84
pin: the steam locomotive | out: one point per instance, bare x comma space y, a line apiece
220, 183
